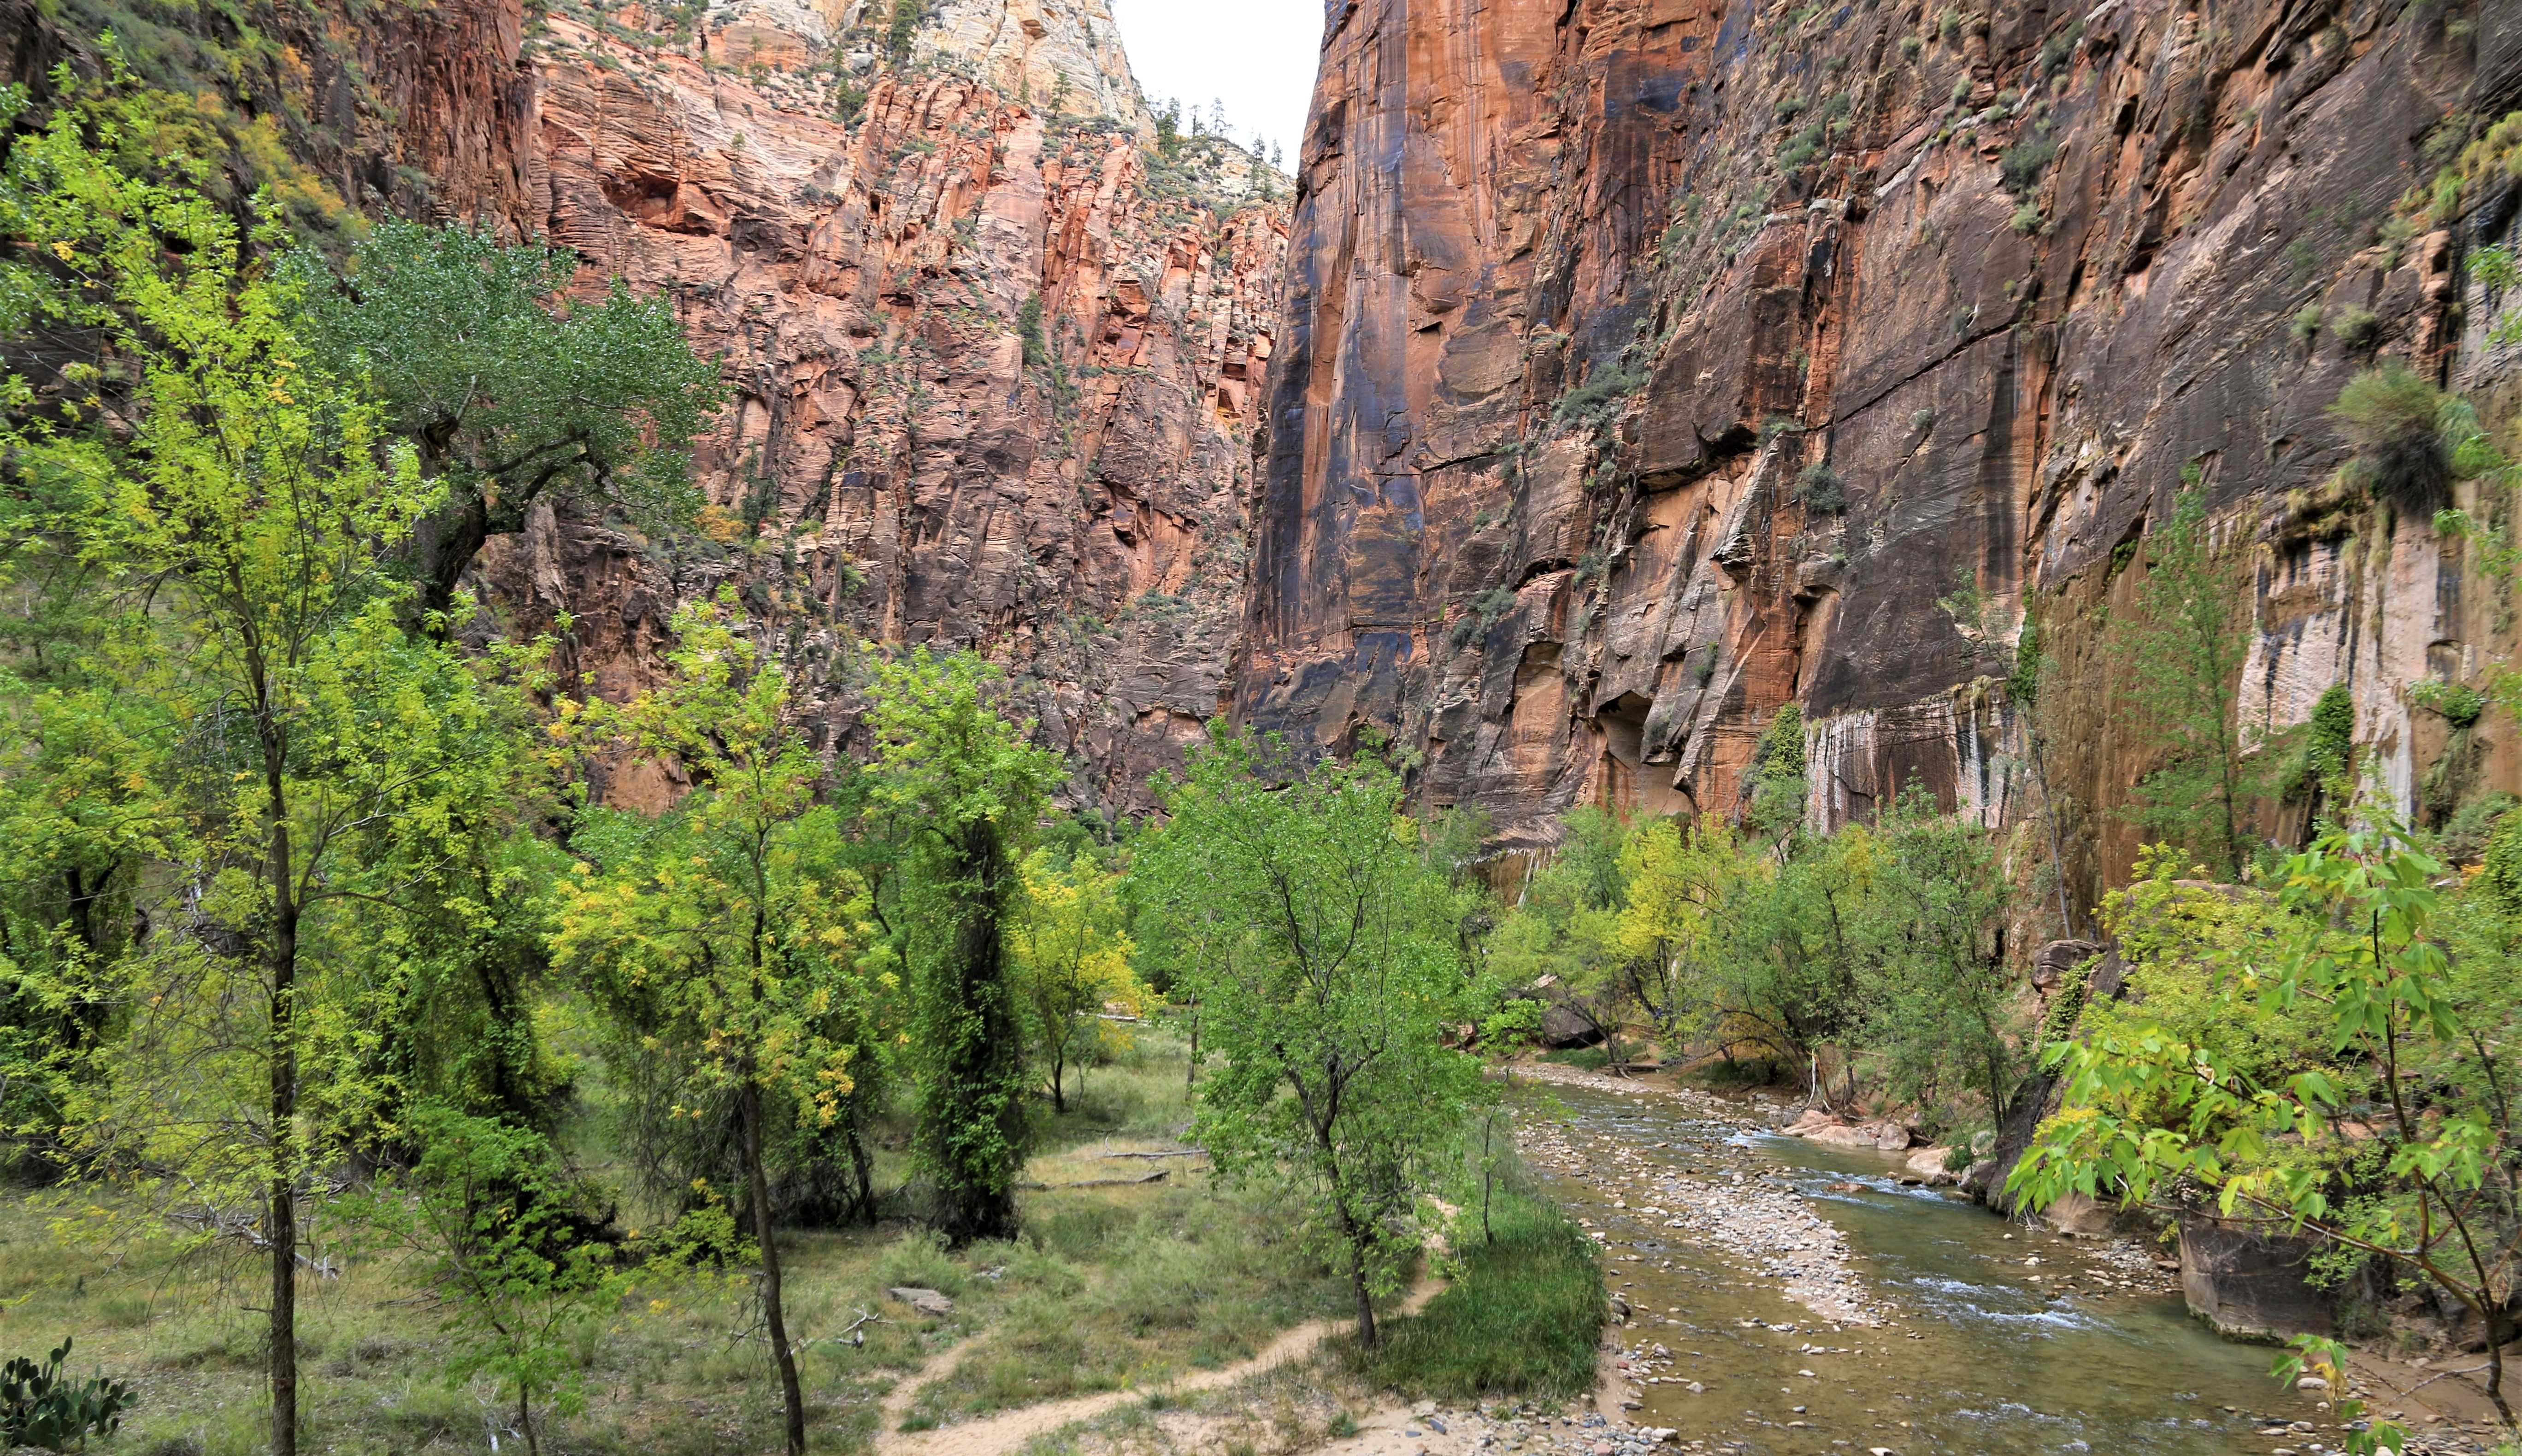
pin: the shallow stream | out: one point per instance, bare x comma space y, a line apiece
2082, 1348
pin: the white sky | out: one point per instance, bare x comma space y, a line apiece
1257, 55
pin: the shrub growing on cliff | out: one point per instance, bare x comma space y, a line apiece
1819, 488
2393, 417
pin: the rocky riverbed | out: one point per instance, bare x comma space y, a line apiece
1784, 1296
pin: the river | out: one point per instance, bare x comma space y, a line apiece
1993, 1339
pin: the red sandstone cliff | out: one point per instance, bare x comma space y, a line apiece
1578, 289
862, 241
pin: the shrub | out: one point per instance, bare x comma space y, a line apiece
1593, 403
2307, 323
2028, 219
1802, 149
2390, 415
1820, 490
2359, 328
2458, 703
42, 1407
2026, 161
1910, 46
1029, 329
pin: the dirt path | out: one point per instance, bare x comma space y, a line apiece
1003, 1432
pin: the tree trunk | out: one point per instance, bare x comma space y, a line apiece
1058, 1098
282, 1054
2498, 1332
525, 1423
773, 1316
973, 1100
862, 1172
1368, 1337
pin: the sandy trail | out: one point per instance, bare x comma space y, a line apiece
1003, 1432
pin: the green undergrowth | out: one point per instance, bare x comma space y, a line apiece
1522, 1317
1129, 1290
1588, 1058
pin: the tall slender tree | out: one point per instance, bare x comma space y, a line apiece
718, 933
233, 506
960, 790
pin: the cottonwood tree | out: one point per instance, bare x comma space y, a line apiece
1329, 993
234, 506
510, 392
955, 785
720, 933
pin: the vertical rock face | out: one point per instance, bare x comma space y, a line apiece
1651, 365
993, 381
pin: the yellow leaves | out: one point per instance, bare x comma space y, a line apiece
63, 250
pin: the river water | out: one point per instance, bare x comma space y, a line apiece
1979, 1351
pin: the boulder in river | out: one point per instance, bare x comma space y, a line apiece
2248, 1285
1821, 1127
1927, 1164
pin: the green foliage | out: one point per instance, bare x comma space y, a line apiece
1566, 925
2359, 328
2024, 164
519, 1283
39, 1406
1777, 789
721, 937
1329, 980
1594, 403
229, 505
2456, 703
2181, 657
2393, 417
1072, 953
2339, 1078
507, 394
960, 791
1522, 1317
1037, 351
2307, 323
1819, 488
904, 29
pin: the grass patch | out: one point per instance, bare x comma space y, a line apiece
1130, 1287
1521, 1318
1587, 1059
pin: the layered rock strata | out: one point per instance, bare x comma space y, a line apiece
993, 363
1652, 365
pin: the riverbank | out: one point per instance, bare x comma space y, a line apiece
1989, 1335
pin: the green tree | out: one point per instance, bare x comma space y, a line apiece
2342, 1149
2181, 660
960, 791
1072, 953
509, 392
1565, 928
1941, 995
1329, 993
232, 505
722, 935
506, 1252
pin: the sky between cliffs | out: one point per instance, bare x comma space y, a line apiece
1257, 55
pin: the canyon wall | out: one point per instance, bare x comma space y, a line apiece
994, 359
1652, 365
